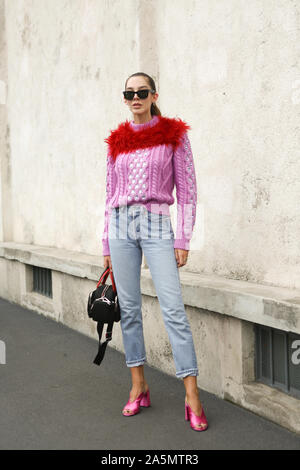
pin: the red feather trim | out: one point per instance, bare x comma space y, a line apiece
166, 131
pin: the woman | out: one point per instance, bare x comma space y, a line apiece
145, 158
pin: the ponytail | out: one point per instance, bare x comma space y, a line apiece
155, 110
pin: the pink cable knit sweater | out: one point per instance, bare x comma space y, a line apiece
147, 177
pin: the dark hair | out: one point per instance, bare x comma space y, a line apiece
154, 108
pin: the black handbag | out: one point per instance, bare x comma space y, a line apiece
103, 307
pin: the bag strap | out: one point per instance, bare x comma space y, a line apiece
102, 347
104, 276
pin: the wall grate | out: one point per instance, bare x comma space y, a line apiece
42, 281
277, 359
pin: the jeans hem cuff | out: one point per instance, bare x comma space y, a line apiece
185, 373
136, 363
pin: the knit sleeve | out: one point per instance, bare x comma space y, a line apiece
110, 189
186, 192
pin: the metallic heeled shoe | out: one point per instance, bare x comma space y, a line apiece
145, 401
194, 419
134, 407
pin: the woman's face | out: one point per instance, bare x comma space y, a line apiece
138, 105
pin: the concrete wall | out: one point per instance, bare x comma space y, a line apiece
229, 68
4, 154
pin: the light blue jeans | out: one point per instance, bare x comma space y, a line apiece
133, 229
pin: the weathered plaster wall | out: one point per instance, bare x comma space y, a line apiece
4, 131
229, 68
64, 72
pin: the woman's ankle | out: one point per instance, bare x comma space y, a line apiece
139, 386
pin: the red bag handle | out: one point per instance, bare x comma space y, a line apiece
104, 276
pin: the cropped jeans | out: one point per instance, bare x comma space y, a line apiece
133, 230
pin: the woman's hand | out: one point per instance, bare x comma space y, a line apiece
181, 257
107, 262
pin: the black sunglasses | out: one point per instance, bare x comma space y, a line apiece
142, 94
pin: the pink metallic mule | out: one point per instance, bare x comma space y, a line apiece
145, 401
133, 407
195, 421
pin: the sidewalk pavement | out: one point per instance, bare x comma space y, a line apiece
52, 396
